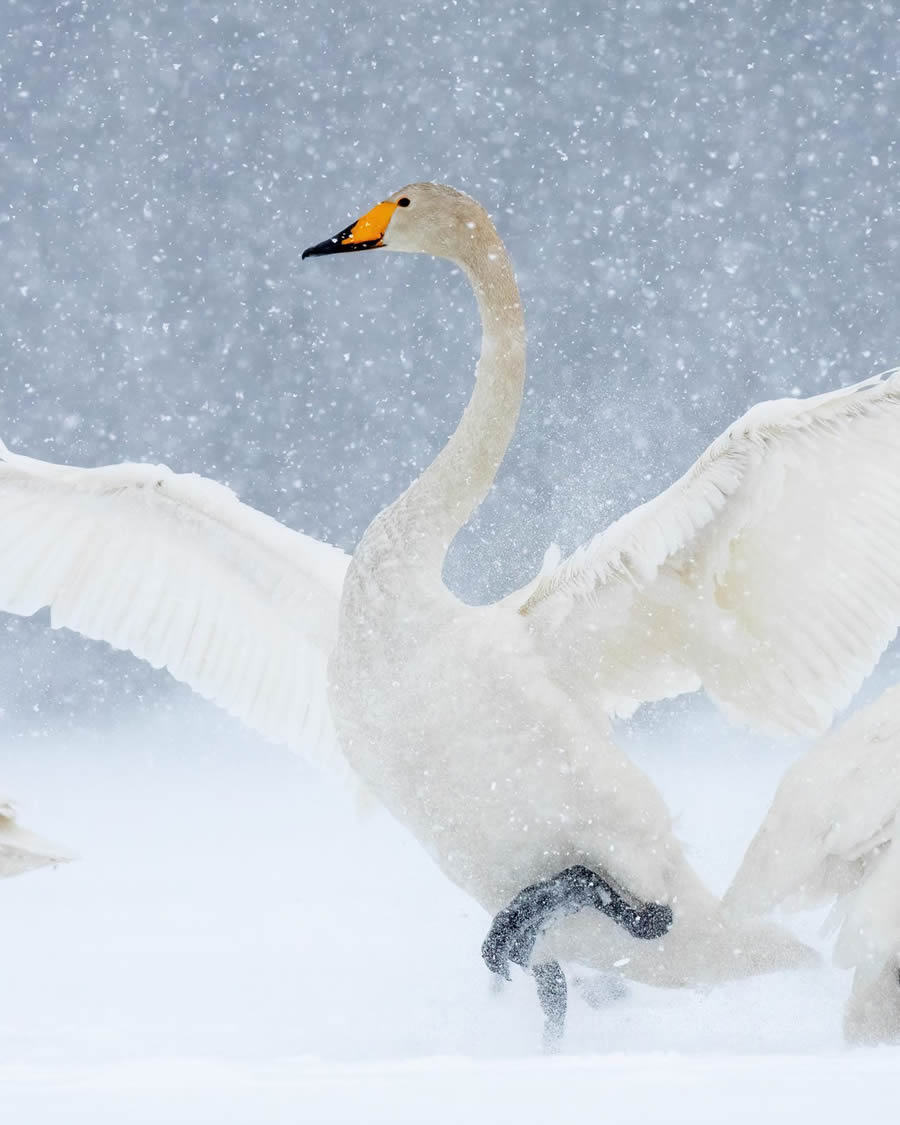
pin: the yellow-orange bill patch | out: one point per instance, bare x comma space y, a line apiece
371, 227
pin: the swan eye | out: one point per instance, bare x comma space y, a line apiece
404, 202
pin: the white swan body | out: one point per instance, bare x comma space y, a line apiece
21, 850
486, 729
831, 833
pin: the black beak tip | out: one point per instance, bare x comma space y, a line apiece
332, 245
339, 245
329, 246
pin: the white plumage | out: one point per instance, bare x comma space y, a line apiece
21, 850
175, 569
831, 835
765, 574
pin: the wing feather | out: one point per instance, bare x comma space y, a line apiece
21, 850
770, 572
175, 569
833, 813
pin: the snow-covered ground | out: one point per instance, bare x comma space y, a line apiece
244, 940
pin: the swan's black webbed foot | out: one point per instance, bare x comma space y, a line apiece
515, 929
552, 993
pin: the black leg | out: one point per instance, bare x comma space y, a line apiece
551, 990
516, 928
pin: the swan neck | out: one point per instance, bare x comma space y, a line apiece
441, 501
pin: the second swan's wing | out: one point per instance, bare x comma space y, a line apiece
834, 811
21, 850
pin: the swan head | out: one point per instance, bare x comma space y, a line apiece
420, 218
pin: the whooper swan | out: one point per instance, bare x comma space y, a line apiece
767, 575
833, 833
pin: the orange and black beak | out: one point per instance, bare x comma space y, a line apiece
366, 233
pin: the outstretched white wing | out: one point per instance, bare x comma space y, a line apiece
174, 568
769, 573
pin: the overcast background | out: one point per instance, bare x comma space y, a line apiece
699, 200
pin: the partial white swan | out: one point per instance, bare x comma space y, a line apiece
21, 850
767, 574
831, 834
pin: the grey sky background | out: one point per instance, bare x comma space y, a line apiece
699, 198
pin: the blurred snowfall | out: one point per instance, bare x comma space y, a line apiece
700, 200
